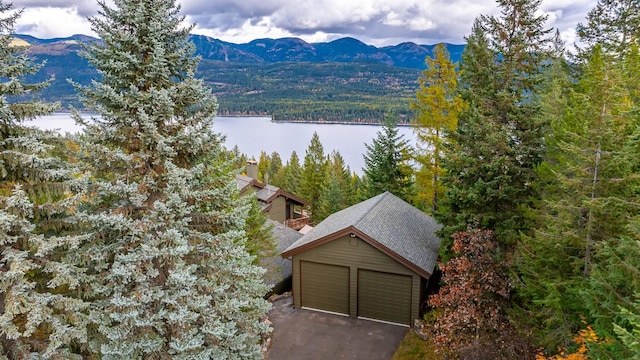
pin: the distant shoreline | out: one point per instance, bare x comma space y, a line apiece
320, 122
334, 122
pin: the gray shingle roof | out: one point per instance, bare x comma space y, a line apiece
278, 269
265, 192
391, 222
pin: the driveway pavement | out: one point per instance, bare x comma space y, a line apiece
311, 335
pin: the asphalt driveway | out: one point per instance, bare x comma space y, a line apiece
312, 335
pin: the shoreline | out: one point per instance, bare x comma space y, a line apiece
270, 117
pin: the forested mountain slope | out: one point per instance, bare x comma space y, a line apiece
289, 79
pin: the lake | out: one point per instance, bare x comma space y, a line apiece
255, 134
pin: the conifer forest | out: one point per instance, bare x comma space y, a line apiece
131, 240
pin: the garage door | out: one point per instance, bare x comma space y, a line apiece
384, 296
325, 287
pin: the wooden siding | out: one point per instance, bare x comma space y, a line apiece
278, 211
355, 254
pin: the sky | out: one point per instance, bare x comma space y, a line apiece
375, 22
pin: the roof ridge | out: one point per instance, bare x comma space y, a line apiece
373, 206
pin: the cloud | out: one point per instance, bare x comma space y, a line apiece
378, 22
37, 22
84, 8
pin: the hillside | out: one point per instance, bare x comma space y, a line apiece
289, 79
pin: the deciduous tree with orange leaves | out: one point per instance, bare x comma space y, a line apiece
476, 288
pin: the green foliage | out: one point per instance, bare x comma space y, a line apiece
167, 249
42, 311
387, 166
260, 242
288, 176
569, 266
15, 66
345, 92
612, 24
312, 177
413, 347
337, 192
491, 158
437, 108
264, 163
630, 338
611, 297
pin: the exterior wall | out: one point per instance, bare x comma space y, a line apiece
356, 254
278, 211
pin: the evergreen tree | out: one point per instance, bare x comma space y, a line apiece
168, 241
590, 189
239, 159
260, 242
288, 176
387, 165
42, 314
275, 164
630, 338
612, 297
437, 105
500, 137
337, 192
613, 24
313, 174
264, 163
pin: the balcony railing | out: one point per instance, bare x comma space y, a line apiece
297, 224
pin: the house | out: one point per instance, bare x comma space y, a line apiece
279, 205
372, 260
278, 274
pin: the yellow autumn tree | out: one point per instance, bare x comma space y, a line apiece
437, 106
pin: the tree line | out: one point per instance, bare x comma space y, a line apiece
529, 159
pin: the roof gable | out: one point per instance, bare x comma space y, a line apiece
265, 192
386, 222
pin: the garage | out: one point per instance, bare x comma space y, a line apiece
384, 296
325, 287
371, 261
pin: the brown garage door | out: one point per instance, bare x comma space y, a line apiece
325, 287
384, 296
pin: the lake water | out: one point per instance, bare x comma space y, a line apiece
255, 134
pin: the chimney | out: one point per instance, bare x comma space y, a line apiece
252, 169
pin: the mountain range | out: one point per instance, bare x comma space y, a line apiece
287, 78
265, 51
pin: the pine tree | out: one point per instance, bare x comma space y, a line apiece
613, 24
437, 105
260, 242
630, 338
288, 176
612, 297
588, 185
42, 313
500, 138
337, 192
275, 164
313, 174
264, 163
168, 241
387, 164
